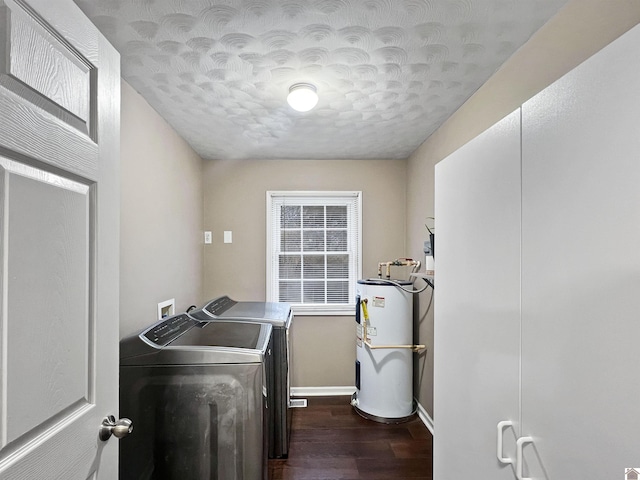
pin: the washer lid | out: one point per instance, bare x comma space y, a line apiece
181, 340
222, 308
222, 334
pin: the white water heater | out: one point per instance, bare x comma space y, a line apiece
384, 353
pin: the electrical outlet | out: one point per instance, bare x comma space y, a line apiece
207, 237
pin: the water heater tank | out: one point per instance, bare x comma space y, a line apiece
384, 376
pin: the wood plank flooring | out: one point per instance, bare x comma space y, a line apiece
330, 441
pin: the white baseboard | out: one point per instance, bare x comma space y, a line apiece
426, 418
338, 391
321, 391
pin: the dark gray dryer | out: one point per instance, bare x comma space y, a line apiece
280, 316
196, 393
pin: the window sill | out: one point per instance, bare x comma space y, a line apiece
322, 311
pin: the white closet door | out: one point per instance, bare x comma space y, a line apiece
477, 303
581, 269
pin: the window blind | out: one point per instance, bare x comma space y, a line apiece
314, 249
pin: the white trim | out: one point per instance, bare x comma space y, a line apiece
323, 198
314, 193
43, 176
322, 391
425, 417
342, 391
313, 310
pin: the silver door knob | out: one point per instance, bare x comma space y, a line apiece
118, 429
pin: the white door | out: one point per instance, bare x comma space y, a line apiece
59, 204
581, 269
477, 304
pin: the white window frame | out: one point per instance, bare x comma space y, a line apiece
277, 198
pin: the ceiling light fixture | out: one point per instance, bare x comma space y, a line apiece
302, 97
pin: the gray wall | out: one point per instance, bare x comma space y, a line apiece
578, 31
164, 181
161, 216
235, 199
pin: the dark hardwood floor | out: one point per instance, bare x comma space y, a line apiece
330, 441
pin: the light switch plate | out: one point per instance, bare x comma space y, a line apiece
228, 236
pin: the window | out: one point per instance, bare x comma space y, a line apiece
314, 248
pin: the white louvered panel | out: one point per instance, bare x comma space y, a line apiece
314, 247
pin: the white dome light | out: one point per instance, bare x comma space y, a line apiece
302, 97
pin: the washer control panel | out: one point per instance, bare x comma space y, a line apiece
167, 330
220, 305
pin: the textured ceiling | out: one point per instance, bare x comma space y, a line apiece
388, 72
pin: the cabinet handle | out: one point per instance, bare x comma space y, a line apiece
519, 446
501, 426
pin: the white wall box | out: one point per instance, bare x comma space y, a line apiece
166, 308
536, 310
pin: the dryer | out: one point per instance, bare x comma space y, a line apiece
196, 393
280, 316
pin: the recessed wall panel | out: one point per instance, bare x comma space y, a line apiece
46, 328
61, 85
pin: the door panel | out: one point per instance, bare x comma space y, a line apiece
581, 268
477, 304
62, 79
49, 92
47, 253
59, 140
